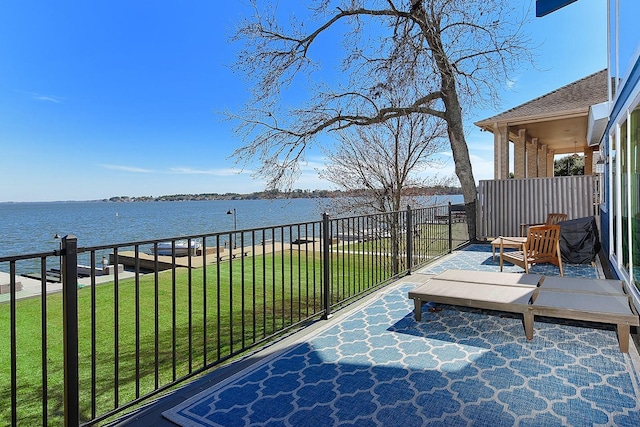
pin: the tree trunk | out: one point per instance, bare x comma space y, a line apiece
455, 129
453, 116
395, 242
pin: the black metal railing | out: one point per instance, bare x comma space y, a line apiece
110, 326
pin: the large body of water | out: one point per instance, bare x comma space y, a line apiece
31, 227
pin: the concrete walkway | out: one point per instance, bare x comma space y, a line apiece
32, 287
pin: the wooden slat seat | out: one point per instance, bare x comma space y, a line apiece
491, 277
509, 292
581, 284
590, 300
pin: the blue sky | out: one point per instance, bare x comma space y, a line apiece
109, 98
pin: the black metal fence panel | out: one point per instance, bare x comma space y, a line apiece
93, 331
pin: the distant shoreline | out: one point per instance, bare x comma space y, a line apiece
274, 194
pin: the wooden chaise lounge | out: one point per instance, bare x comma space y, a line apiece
509, 292
591, 300
594, 300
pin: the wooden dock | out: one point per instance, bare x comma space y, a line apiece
147, 262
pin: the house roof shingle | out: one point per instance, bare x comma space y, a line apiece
576, 96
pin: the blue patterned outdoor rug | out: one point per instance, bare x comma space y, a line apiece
457, 367
480, 257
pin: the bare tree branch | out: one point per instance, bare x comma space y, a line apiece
396, 151
446, 57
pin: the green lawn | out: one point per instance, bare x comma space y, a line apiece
287, 290
428, 239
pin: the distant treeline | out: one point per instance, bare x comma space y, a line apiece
277, 194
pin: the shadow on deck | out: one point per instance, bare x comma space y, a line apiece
373, 364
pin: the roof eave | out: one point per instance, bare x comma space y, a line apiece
535, 118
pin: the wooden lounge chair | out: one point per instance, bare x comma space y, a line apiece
508, 292
552, 219
591, 300
542, 246
516, 242
594, 300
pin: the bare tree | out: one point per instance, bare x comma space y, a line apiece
377, 164
445, 54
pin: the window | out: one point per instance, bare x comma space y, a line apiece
624, 47
634, 145
613, 40
627, 43
624, 194
614, 191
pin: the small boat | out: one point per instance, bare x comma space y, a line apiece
182, 248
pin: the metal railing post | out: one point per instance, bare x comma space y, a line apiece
326, 266
450, 230
70, 329
409, 240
